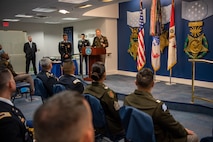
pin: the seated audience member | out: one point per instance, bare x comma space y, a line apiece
65, 117
69, 80
1, 51
46, 76
4, 63
167, 129
12, 121
107, 97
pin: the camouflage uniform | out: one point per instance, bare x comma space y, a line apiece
167, 129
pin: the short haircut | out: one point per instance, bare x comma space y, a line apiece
45, 62
98, 30
68, 66
144, 77
60, 118
98, 70
64, 34
5, 76
83, 34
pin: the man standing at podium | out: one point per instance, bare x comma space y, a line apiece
100, 41
65, 48
83, 43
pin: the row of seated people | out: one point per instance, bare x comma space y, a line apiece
166, 127
68, 79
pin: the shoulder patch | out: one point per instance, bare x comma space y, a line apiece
49, 74
158, 101
5, 114
76, 81
111, 94
164, 107
116, 105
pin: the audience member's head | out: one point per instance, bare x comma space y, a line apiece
0, 47
144, 78
5, 56
68, 67
98, 71
66, 117
46, 64
7, 83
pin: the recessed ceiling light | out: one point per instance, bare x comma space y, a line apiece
52, 22
73, 1
46, 10
23, 16
11, 20
70, 19
85, 6
107, 0
63, 11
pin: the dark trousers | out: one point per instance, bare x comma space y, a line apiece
28, 64
81, 62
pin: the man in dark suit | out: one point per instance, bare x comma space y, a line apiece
83, 43
65, 48
12, 121
30, 50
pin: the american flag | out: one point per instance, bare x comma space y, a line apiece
141, 59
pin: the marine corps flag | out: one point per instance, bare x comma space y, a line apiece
141, 58
172, 51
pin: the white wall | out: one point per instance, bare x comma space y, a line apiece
108, 28
47, 36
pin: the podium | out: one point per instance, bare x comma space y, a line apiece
94, 54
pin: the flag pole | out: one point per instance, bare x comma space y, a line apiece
155, 80
170, 78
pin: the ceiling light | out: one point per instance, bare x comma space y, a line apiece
46, 10
11, 20
71, 19
73, 1
63, 11
23, 16
85, 6
107, 0
52, 22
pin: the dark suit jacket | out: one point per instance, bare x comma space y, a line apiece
30, 52
12, 124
